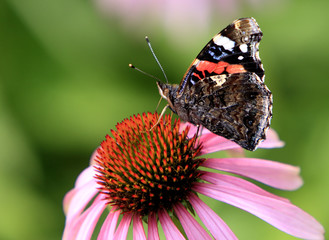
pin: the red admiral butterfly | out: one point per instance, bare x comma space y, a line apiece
223, 89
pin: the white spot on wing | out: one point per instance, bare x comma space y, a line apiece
227, 43
244, 48
219, 79
240, 58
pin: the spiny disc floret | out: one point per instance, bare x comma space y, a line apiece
143, 170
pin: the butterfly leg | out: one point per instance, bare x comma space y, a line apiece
199, 137
158, 104
161, 114
197, 134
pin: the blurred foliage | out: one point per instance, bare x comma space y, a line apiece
64, 83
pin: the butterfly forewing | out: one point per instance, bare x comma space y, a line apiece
233, 50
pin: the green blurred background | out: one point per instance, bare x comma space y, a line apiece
65, 82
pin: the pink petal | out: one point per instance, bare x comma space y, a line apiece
109, 225
211, 220
78, 202
73, 227
272, 140
138, 229
238, 183
92, 215
278, 175
214, 143
192, 228
193, 129
280, 214
85, 176
153, 233
122, 230
67, 200
170, 230
84, 179
211, 142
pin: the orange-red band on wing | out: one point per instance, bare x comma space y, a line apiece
236, 68
219, 67
211, 67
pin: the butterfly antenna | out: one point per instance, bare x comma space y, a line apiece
156, 59
145, 73
149, 75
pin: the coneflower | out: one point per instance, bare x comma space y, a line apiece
153, 174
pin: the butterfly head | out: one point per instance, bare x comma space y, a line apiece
168, 92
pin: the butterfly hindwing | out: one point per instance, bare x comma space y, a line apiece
235, 106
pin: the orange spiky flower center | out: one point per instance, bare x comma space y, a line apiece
142, 169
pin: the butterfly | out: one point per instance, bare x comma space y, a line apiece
223, 90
